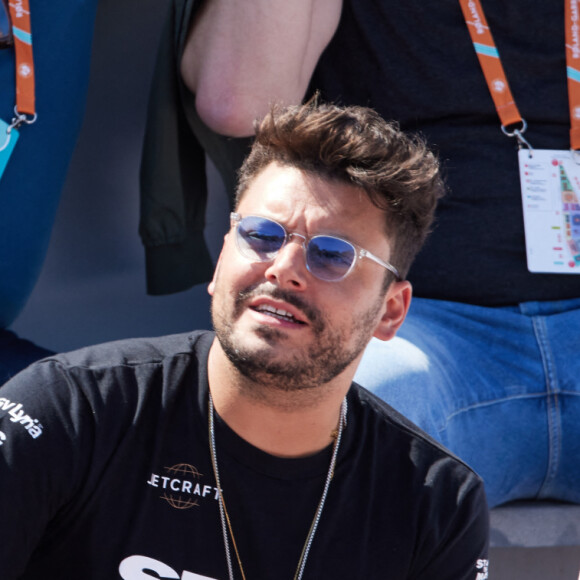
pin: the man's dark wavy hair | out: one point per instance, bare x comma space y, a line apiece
355, 145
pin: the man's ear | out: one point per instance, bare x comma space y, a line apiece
211, 285
397, 302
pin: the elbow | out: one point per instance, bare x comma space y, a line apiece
227, 113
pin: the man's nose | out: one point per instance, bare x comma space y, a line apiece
289, 266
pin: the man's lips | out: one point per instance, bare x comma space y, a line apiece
280, 305
283, 312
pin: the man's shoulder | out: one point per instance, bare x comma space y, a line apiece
135, 352
118, 365
440, 499
409, 438
123, 375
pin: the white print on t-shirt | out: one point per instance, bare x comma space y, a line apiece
143, 568
18, 415
482, 565
182, 486
2, 437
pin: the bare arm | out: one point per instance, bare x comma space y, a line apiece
242, 55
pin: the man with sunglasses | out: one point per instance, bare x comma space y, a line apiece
487, 361
250, 453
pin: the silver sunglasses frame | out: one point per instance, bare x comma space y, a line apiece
359, 253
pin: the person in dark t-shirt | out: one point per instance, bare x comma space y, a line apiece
251, 453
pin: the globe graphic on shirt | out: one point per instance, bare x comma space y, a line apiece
184, 474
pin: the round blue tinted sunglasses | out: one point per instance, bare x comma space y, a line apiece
328, 258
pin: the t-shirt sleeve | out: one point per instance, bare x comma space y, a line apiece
45, 434
461, 552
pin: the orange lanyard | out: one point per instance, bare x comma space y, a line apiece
496, 79
25, 88
573, 69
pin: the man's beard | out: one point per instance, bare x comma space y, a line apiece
326, 359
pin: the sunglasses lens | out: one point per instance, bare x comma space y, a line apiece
330, 258
259, 238
5, 27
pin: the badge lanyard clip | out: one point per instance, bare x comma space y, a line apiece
20, 119
518, 133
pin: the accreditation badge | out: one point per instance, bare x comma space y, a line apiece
550, 182
8, 140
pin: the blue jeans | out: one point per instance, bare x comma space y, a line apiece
500, 387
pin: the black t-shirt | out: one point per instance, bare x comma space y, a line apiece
105, 472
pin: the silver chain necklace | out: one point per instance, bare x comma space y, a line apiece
225, 519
